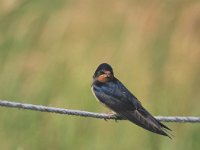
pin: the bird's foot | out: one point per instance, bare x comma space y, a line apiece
110, 115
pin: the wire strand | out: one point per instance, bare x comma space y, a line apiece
4, 103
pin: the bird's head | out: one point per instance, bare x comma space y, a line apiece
103, 73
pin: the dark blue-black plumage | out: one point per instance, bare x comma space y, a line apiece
112, 93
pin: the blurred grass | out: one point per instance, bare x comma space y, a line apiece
49, 51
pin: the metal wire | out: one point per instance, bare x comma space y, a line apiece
105, 116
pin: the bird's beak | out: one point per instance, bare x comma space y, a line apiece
107, 74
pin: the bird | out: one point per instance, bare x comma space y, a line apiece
114, 95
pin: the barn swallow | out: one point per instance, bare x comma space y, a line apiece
113, 94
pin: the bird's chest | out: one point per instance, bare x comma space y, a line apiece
105, 88
108, 90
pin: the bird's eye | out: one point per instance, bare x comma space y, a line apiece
101, 72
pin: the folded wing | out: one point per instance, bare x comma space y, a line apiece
133, 111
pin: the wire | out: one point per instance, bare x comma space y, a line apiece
105, 116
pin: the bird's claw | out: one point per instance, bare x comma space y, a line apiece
111, 115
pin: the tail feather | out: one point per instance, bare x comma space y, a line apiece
145, 120
164, 126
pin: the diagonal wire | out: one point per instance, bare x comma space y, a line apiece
41, 108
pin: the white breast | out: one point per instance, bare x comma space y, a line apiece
94, 94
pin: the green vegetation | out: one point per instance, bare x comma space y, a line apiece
50, 49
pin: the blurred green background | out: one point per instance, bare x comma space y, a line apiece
49, 51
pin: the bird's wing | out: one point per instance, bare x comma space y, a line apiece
126, 108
